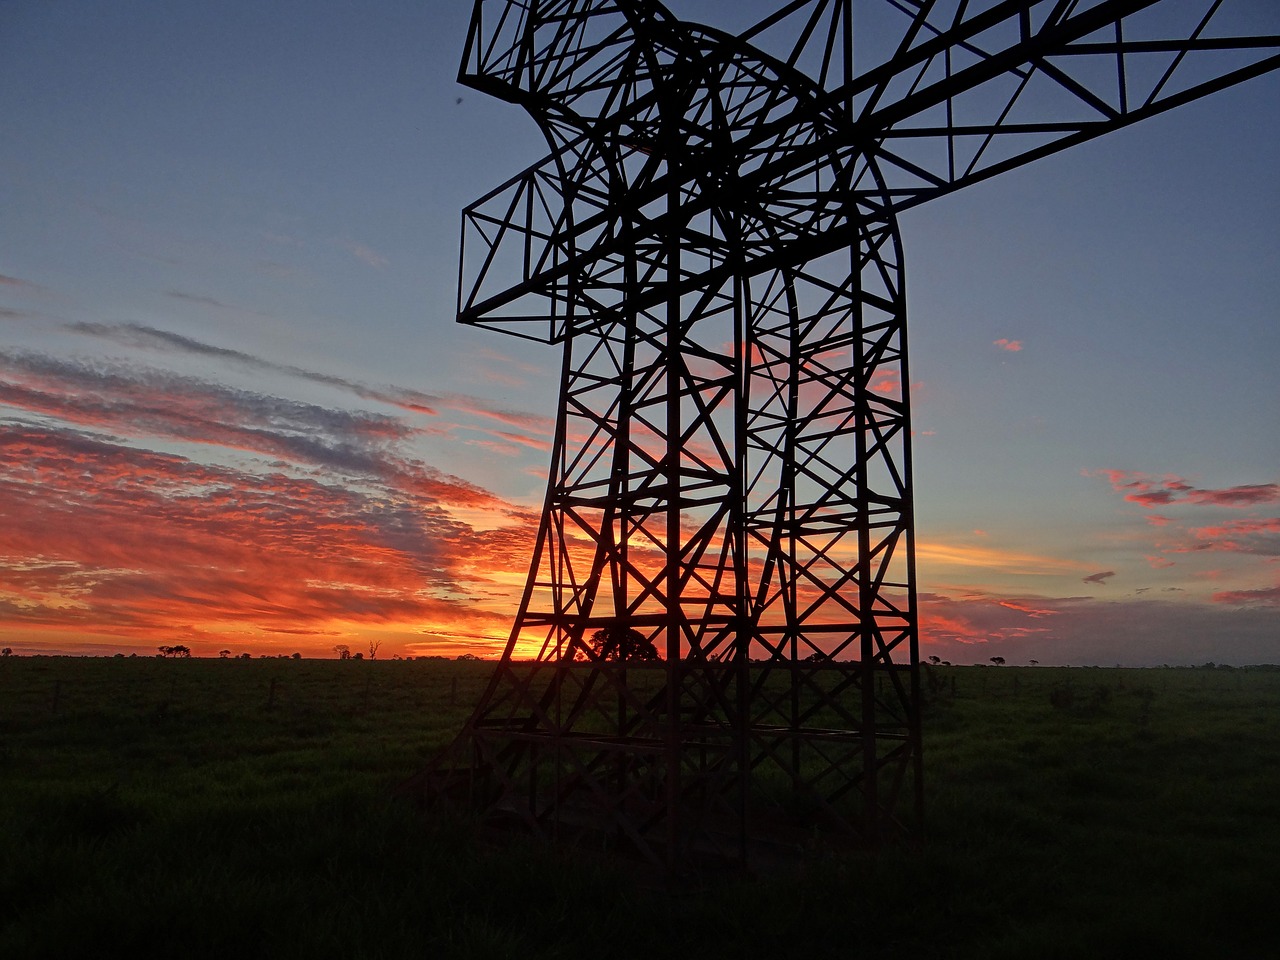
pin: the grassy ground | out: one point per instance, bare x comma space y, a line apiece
240, 808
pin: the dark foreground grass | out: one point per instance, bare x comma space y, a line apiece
242, 809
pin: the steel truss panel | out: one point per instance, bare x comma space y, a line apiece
718, 640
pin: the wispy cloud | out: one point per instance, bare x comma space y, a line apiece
197, 298
1266, 597
994, 559
533, 422
1256, 535
137, 335
509, 371
128, 401
1012, 346
149, 406
1101, 577
365, 253
1148, 491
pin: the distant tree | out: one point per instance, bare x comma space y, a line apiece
6, 652
343, 651
1034, 663
356, 656
998, 661
620, 643
245, 656
935, 660
467, 656
296, 656
224, 654
165, 651
373, 649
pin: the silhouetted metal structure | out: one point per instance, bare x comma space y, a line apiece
713, 239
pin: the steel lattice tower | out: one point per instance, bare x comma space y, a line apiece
717, 642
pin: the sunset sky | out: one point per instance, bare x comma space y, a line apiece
236, 412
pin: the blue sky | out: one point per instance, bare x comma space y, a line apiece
228, 260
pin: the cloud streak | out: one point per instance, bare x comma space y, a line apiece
365, 254
535, 430
137, 335
133, 402
1169, 490
1266, 597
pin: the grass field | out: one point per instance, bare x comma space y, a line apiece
241, 808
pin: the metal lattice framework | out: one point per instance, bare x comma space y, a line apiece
717, 641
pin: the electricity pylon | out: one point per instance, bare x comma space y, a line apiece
717, 645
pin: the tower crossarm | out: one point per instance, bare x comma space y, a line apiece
976, 89
973, 88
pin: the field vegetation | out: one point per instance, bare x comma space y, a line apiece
243, 808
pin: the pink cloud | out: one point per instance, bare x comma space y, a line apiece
1239, 528
504, 449
1253, 535
496, 367
886, 382
1029, 609
151, 338
1148, 491
1158, 563
537, 423
1013, 346
1268, 596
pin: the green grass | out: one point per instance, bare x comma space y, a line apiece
184, 809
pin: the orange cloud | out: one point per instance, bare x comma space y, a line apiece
1013, 346
110, 540
993, 558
